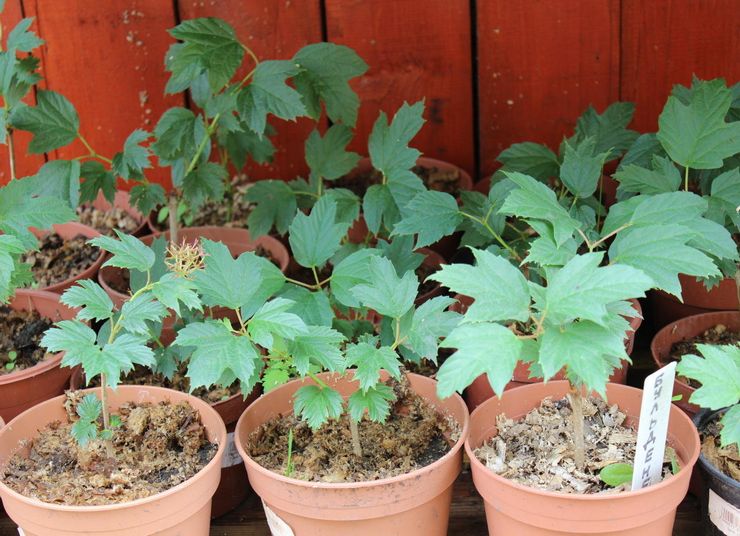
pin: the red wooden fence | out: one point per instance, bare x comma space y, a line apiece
493, 72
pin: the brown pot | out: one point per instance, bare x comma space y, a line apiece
25, 388
68, 231
681, 330
416, 503
182, 510
480, 390
514, 509
122, 200
665, 308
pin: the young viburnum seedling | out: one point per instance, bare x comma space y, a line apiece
125, 337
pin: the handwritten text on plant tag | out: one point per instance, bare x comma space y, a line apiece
653, 428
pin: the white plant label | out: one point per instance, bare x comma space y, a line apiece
231, 454
653, 427
724, 516
20, 532
278, 527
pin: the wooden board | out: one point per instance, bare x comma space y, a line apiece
540, 64
107, 58
25, 164
664, 43
415, 50
273, 30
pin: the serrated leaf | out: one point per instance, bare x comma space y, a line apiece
273, 319
531, 159
268, 93
401, 253
712, 238
72, 337
353, 270
274, 376
581, 168
53, 122
499, 289
662, 177
386, 292
718, 372
616, 474
127, 252
731, 426
21, 39
315, 238
725, 193
348, 204
274, 205
388, 144
430, 215
134, 159
313, 307
176, 133
93, 301
327, 157
641, 152
608, 130
59, 179
245, 143
375, 401
172, 290
667, 208
316, 405
474, 356
206, 182
369, 361
137, 311
146, 197
379, 208
430, 323
319, 345
545, 252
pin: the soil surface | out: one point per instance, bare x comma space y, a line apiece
21, 332
433, 177
718, 334
156, 448
105, 221
414, 436
725, 459
537, 451
217, 212
58, 260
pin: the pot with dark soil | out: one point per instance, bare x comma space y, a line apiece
28, 373
105, 217
681, 337
64, 257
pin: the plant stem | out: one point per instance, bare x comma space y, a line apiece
289, 464
686, 179
11, 155
494, 234
172, 218
93, 153
316, 276
302, 284
356, 447
737, 285
202, 144
576, 404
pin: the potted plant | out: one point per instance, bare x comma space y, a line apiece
135, 432
683, 156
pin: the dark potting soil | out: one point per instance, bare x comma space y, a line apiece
21, 332
157, 447
58, 260
106, 221
217, 212
414, 436
433, 177
426, 285
718, 334
725, 459
537, 451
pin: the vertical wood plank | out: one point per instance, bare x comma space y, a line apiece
273, 30
415, 50
107, 58
25, 164
664, 43
541, 63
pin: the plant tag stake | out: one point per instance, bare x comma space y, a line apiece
653, 428
278, 527
724, 516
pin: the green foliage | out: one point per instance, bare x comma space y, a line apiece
316, 237
327, 157
386, 292
316, 405
86, 428
616, 474
430, 215
53, 122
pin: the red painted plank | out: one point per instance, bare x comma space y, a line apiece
541, 63
273, 30
25, 164
414, 50
664, 43
107, 58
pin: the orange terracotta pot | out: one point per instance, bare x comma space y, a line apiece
122, 200
665, 308
480, 390
179, 511
416, 503
681, 330
68, 231
25, 388
514, 509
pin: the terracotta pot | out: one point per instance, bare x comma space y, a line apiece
416, 503
68, 231
182, 510
665, 308
681, 330
480, 390
25, 388
514, 509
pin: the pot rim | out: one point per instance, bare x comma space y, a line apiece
707, 414
220, 434
352, 485
577, 497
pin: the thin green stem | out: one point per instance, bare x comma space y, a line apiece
301, 283
686, 179
316, 276
93, 152
317, 380
201, 147
11, 154
309, 194
494, 234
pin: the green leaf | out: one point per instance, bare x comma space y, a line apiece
581, 168
72, 337
92, 300
667, 208
134, 159
274, 319
217, 351
545, 252
535, 200
388, 144
499, 289
348, 204
243, 143
268, 93
369, 361
146, 197
275, 374
315, 238
209, 46
313, 307
718, 373
97, 178
430, 215
375, 401
379, 208
696, 135
401, 253
725, 194
353, 270
531, 159
135, 313
127, 252
386, 292
608, 130
663, 177
206, 182
731, 426
616, 474
325, 70
474, 356
274, 205
712, 238
21, 39
53, 122
320, 345
430, 323
641, 152
172, 290
327, 157
177, 133
316, 405
59, 179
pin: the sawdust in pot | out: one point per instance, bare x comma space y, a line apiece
537, 451
106, 221
157, 447
415, 435
58, 259
434, 178
725, 459
20, 335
